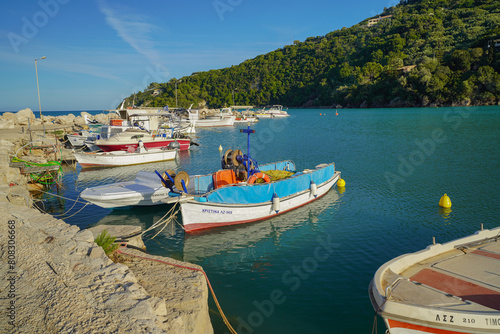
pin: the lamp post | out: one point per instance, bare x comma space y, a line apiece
38, 89
176, 92
233, 95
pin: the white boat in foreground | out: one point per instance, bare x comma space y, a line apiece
234, 195
446, 288
141, 155
145, 190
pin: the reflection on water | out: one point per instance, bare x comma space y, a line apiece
239, 239
243, 238
372, 219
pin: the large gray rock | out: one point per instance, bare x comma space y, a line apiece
24, 116
79, 120
8, 115
65, 119
102, 118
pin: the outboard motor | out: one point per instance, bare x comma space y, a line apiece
174, 145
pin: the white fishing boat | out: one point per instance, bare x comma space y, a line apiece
145, 190
140, 155
210, 121
234, 195
78, 139
275, 111
446, 288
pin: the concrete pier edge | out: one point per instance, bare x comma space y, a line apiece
56, 279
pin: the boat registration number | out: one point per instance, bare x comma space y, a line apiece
221, 212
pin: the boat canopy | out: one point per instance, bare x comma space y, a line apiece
203, 184
263, 192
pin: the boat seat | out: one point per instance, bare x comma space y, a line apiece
224, 177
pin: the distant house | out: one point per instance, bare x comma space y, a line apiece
406, 69
156, 92
497, 42
373, 22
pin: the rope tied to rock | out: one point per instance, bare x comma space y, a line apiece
65, 213
166, 220
224, 318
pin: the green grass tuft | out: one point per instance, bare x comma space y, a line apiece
106, 241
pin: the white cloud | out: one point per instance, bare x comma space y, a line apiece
134, 29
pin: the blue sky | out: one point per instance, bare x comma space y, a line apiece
100, 51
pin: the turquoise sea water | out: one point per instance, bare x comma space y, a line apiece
308, 271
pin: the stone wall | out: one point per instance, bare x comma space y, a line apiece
56, 279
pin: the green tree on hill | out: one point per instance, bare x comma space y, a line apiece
424, 52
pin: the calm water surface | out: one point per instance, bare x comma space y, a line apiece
308, 271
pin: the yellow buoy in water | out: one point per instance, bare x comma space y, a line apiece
445, 202
341, 183
220, 148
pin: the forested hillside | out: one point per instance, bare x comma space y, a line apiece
425, 52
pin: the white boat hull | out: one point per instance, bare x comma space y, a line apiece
145, 190
77, 140
445, 288
223, 121
202, 215
122, 158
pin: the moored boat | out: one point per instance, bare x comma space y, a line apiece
246, 119
234, 194
145, 190
446, 288
129, 139
222, 119
275, 111
140, 155
78, 139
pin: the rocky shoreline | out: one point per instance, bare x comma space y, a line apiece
57, 279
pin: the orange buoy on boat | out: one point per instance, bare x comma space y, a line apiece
257, 176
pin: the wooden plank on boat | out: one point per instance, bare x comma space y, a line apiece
459, 287
39, 169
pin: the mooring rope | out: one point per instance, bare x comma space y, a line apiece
69, 199
224, 318
63, 214
165, 220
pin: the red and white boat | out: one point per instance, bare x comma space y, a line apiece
129, 139
445, 288
236, 195
246, 119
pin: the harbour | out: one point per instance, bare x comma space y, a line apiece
309, 270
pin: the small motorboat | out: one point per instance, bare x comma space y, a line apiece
129, 140
145, 190
275, 111
78, 139
246, 119
140, 155
202, 121
446, 288
243, 192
